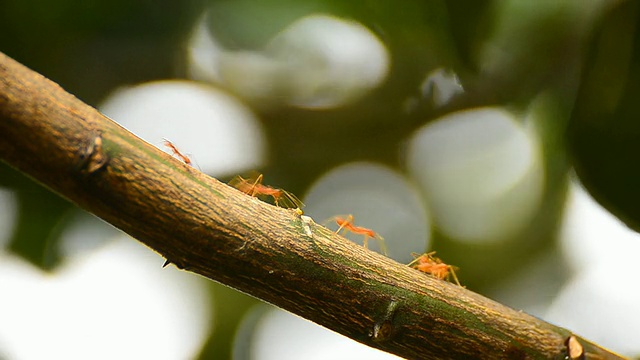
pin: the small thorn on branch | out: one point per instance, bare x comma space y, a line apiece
383, 329
93, 158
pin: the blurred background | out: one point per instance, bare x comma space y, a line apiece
502, 134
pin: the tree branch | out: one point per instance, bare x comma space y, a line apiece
206, 227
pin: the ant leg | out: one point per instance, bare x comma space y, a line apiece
344, 223
258, 180
416, 259
254, 191
383, 245
453, 273
365, 242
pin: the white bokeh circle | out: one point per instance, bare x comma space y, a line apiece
380, 199
590, 234
331, 61
319, 61
600, 301
221, 134
113, 303
481, 171
279, 335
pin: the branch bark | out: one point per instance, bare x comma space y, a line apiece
206, 227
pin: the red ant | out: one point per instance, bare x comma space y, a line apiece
177, 152
254, 187
432, 265
346, 224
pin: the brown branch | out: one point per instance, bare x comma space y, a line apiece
209, 228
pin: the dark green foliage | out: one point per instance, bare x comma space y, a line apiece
605, 125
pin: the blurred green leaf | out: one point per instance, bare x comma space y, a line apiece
605, 125
90, 47
40, 212
230, 309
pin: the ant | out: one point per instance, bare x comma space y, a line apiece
346, 224
177, 152
254, 187
432, 265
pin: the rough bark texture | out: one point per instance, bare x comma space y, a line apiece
206, 227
